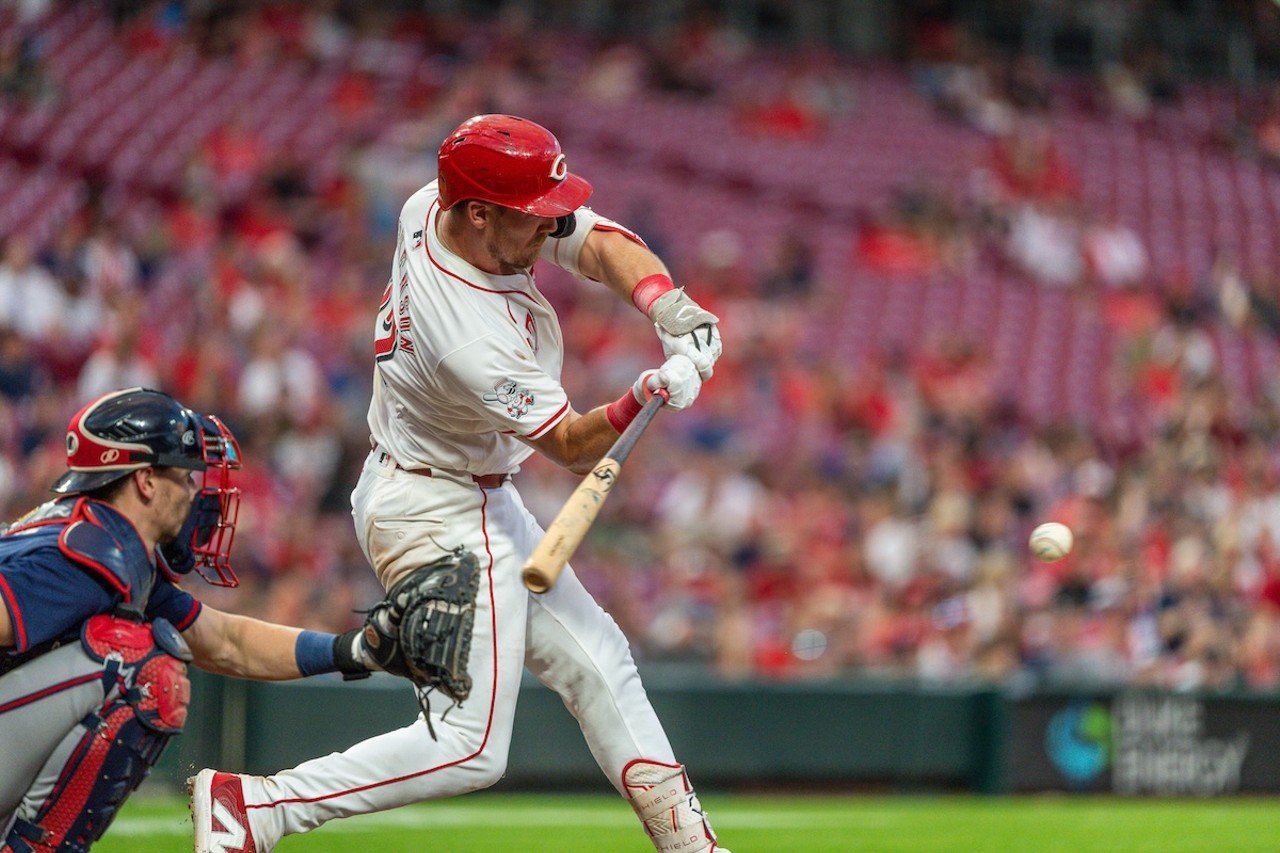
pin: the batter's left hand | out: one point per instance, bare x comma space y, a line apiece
686, 328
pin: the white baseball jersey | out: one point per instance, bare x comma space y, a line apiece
466, 360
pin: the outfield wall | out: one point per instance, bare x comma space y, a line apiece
894, 736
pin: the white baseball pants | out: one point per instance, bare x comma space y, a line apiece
406, 520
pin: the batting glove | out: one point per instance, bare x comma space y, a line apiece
686, 328
678, 375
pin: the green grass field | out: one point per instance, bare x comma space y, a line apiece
750, 824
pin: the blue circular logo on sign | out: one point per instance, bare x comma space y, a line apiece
1078, 740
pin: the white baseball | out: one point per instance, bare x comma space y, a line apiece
1051, 541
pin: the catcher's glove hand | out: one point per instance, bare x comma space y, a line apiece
422, 629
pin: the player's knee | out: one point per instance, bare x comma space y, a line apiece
610, 662
481, 757
488, 766
166, 694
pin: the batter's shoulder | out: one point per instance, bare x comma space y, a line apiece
416, 207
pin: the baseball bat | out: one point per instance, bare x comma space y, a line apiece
565, 534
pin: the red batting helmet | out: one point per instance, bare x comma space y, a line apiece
508, 161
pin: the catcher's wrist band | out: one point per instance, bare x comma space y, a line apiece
314, 653
350, 657
622, 411
648, 289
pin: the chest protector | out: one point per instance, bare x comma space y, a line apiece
93, 537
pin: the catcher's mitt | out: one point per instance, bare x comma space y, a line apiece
422, 629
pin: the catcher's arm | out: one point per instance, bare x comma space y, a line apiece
230, 644
240, 646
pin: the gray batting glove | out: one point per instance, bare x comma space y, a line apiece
686, 328
678, 375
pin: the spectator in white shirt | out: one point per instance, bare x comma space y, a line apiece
280, 376
1115, 253
31, 300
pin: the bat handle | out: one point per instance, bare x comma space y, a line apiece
566, 532
627, 441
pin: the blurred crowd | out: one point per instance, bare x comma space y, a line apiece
808, 518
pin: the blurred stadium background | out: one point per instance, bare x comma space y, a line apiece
980, 264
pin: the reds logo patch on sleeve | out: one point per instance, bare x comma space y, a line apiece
507, 393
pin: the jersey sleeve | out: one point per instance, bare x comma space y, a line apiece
564, 251
177, 606
507, 389
49, 598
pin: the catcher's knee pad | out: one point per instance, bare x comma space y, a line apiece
146, 662
116, 753
665, 802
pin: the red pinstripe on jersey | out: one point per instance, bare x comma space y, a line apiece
187, 620
618, 229
551, 421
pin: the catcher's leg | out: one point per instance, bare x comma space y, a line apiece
104, 758
40, 702
576, 649
417, 520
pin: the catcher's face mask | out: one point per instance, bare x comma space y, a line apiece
216, 506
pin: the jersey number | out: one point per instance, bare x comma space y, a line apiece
385, 336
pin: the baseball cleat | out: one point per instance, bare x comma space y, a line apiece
218, 814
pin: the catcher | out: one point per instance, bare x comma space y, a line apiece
95, 633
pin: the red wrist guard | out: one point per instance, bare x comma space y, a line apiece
648, 289
622, 411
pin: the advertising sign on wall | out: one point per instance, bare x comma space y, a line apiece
1140, 743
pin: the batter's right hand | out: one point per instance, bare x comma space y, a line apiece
678, 375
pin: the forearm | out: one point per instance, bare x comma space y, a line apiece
639, 276
618, 262
579, 441
243, 647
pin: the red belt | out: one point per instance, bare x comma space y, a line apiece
484, 481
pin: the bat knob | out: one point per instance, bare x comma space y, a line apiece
534, 580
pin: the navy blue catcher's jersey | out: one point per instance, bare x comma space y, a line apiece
74, 558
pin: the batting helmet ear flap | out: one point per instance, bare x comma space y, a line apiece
565, 226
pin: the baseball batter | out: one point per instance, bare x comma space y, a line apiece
467, 384
94, 631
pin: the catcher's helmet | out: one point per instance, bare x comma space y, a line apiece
508, 161
136, 428
123, 431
